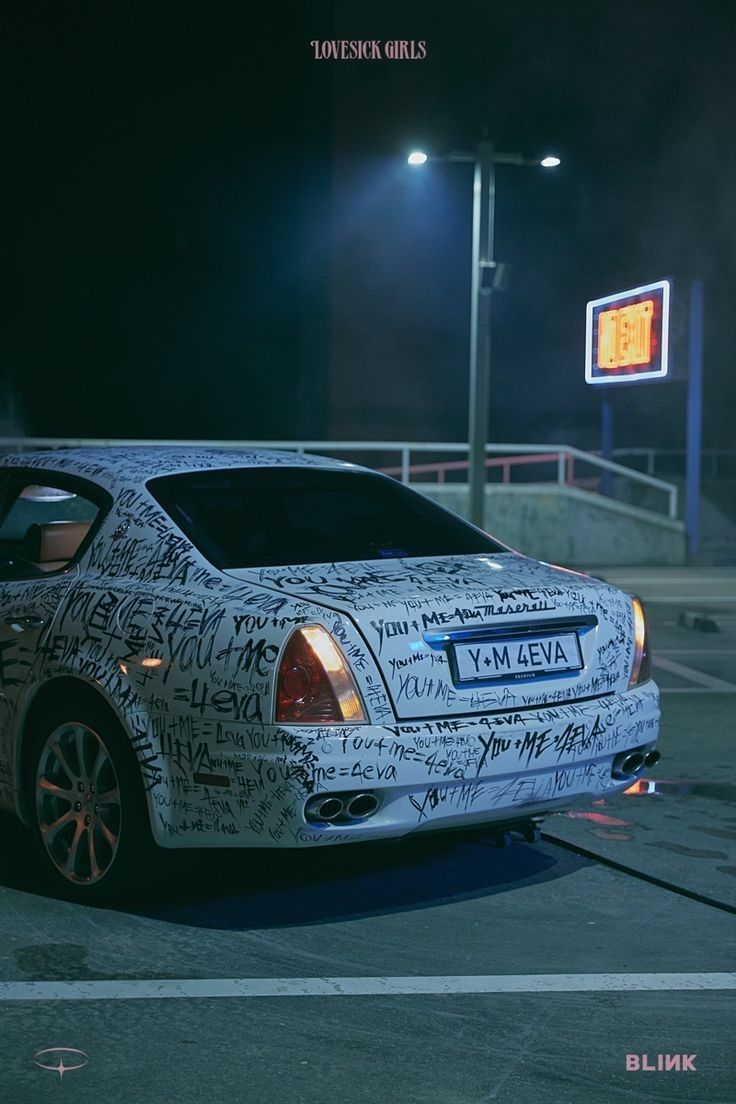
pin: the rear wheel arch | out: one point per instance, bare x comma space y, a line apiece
51, 695
84, 795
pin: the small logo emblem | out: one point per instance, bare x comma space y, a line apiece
61, 1059
122, 529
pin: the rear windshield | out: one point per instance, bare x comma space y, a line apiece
274, 517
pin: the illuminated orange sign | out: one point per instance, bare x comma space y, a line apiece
627, 335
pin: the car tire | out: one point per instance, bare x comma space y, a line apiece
88, 808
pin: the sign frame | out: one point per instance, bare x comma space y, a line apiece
615, 377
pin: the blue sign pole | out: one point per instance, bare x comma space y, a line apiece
694, 418
607, 444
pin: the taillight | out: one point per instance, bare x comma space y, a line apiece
314, 684
642, 667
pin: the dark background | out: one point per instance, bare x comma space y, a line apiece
207, 233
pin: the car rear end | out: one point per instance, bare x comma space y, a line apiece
423, 677
473, 705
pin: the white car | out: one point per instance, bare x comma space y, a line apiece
220, 648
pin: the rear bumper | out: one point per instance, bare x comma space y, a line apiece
426, 775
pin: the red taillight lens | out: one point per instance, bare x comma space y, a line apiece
314, 684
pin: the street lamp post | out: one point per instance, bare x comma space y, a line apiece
484, 194
485, 159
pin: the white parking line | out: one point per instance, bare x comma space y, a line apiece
699, 677
358, 986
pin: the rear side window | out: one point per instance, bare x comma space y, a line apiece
274, 517
43, 526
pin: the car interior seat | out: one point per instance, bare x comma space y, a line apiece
51, 546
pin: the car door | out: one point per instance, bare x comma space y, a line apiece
46, 523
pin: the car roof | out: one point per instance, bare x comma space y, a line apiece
131, 466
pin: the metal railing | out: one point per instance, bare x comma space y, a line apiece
566, 460
564, 457
717, 463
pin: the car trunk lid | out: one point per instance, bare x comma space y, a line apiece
477, 633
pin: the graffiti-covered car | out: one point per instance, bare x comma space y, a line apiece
226, 648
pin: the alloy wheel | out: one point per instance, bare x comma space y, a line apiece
78, 805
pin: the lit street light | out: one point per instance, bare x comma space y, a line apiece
484, 277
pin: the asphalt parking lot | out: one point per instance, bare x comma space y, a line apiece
439, 970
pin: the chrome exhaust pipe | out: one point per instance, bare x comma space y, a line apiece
361, 806
632, 763
323, 808
330, 808
651, 758
627, 763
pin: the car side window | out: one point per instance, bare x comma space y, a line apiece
42, 528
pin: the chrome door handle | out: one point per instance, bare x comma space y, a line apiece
24, 622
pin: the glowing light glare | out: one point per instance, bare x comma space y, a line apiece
151, 662
641, 786
417, 157
625, 335
640, 635
490, 563
549, 162
639, 624
333, 662
324, 648
598, 818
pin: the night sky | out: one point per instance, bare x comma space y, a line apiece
208, 233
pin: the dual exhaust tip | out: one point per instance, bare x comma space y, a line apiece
345, 808
352, 807
630, 762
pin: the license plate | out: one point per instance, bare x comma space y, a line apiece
517, 657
